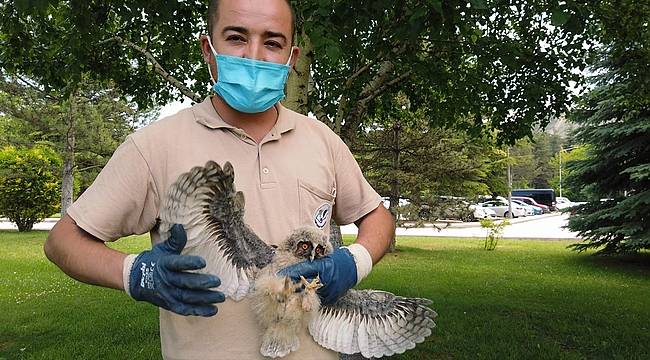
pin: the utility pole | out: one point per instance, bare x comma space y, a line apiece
561, 170
509, 186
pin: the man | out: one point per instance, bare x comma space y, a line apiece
293, 170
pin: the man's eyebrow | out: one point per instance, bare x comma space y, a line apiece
271, 34
238, 29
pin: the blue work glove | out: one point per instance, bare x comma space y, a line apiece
337, 273
160, 276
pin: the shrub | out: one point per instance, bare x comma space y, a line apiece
30, 189
495, 232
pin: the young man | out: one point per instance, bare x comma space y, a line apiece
293, 171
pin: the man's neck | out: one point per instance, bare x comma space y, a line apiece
255, 125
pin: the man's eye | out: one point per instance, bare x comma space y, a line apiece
235, 38
273, 44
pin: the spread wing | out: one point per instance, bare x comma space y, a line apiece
206, 202
373, 323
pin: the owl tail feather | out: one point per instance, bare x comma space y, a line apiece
279, 341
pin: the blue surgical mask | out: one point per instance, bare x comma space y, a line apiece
249, 86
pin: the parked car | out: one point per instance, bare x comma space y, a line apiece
480, 212
564, 203
531, 201
530, 209
542, 196
500, 207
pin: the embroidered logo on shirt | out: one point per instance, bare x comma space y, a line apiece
322, 214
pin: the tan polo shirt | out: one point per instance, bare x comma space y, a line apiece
300, 174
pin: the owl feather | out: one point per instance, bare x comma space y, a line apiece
371, 322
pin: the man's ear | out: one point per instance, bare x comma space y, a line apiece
295, 52
205, 49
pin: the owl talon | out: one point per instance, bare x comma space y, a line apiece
313, 285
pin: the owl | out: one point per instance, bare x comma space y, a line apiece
281, 306
371, 322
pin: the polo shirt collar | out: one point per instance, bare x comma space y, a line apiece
205, 114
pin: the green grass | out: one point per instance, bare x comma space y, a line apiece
526, 300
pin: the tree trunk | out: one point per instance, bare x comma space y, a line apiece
394, 186
298, 83
67, 174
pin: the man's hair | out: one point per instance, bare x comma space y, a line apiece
213, 15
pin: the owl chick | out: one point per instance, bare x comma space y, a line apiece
282, 306
371, 322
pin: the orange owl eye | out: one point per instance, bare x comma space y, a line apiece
319, 250
305, 246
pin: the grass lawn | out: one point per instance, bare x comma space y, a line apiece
526, 300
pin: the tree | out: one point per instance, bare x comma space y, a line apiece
479, 59
530, 160
29, 185
84, 128
614, 120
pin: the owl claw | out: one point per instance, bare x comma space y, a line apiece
313, 285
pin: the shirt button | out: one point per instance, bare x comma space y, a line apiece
265, 170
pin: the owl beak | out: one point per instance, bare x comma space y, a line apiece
311, 256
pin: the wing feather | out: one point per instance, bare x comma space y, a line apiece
373, 323
204, 200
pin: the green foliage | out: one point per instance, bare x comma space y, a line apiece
495, 232
404, 157
571, 189
530, 160
487, 60
61, 42
95, 119
29, 185
614, 121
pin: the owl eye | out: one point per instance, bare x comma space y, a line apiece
304, 246
319, 250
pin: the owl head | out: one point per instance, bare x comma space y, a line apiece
308, 243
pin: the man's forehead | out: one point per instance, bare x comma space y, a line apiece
255, 15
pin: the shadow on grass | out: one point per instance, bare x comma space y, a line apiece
637, 265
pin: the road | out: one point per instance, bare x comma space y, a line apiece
549, 226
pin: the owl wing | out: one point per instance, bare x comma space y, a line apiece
205, 202
373, 323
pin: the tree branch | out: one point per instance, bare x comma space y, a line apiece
45, 94
158, 68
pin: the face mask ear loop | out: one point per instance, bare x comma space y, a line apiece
290, 56
214, 54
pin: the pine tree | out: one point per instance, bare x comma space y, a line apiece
614, 119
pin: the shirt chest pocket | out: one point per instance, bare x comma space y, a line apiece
316, 205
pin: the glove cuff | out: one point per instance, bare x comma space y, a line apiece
362, 259
126, 272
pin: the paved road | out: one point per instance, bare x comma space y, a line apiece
548, 226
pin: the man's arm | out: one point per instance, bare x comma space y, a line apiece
376, 231
83, 256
